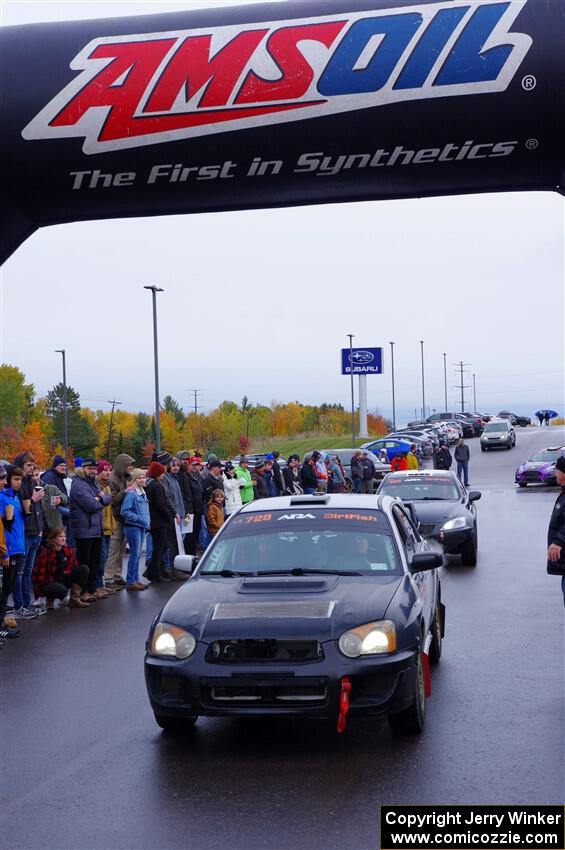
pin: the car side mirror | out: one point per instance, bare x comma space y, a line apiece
184, 563
475, 495
424, 561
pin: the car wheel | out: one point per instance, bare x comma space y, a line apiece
483, 448
437, 634
412, 719
469, 553
509, 446
175, 724
522, 484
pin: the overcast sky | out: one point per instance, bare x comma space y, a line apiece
259, 303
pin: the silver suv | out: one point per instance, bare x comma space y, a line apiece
498, 433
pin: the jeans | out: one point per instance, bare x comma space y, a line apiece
356, 485
309, 490
104, 547
22, 586
134, 536
463, 467
563, 587
10, 581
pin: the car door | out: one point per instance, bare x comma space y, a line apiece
426, 582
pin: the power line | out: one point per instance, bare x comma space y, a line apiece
462, 386
113, 403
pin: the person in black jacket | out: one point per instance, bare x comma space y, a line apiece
277, 474
193, 469
259, 483
291, 477
556, 530
442, 457
308, 475
162, 514
31, 497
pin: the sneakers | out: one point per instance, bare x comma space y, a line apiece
99, 593
9, 633
10, 621
136, 586
25, 614
119, 582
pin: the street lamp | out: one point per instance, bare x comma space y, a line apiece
445, 378
423, 384
392, 373
61, 351
154, 291
352, 390
474, 395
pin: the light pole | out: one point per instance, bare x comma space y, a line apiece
61, 351
445, 378
392, 374
352, 390
423, 384
154, 291
474, 395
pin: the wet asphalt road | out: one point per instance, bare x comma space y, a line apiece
84, 765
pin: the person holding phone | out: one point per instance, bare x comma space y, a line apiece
32, 494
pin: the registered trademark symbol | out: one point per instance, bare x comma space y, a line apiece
529, 82
532, 144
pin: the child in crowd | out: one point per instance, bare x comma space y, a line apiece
215, 512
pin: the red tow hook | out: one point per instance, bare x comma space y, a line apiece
343, 704
427, 677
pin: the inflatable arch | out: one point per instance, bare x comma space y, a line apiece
278, 104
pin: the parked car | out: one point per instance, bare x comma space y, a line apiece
345, 456
515, 418
476, 422
423, 443
391, 445
296, 608
540, 467
444, 508
498, 433
254, 459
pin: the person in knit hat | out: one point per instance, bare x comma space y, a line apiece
161, 514
103, 473
57, 475
119, 478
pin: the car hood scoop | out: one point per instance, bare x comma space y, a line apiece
278, 610
288, 584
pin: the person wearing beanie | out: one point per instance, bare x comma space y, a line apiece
57, 474
53, 501
103, 473
113, 569
136, 519
196, 485
556, 530
78, 462
232, 488
243, 474
161, 514
212, 479
87, 501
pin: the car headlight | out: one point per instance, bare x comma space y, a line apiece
458, 522
370, 639
172, 641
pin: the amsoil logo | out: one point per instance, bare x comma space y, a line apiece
145, 89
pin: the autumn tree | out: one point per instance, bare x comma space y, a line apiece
16, 398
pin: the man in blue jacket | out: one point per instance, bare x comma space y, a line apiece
87, 501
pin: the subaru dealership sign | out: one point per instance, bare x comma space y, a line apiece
365, 361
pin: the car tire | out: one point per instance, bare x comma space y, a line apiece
483, 448
469, 553
437, 634
509, 446
522, 484
413, 718
175, 724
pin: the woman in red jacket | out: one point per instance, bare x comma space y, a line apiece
56, 570
399, 463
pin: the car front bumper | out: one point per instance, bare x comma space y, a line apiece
496, 444
196, 686
451, 541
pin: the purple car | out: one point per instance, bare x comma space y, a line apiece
540, 468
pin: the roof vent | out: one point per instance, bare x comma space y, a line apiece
313, 499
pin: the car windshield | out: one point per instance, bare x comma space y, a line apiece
304, 539
545, 456
410, 488
496, 426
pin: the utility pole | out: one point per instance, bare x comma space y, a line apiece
462, 387
154, 291
423, 384
392, 374
474, 394
65, 416
196, 405
352, 390
445, 378
113, 403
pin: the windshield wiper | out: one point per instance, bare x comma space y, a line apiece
433, 499
226, 573
305, 571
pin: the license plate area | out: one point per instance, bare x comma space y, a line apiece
265, 693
